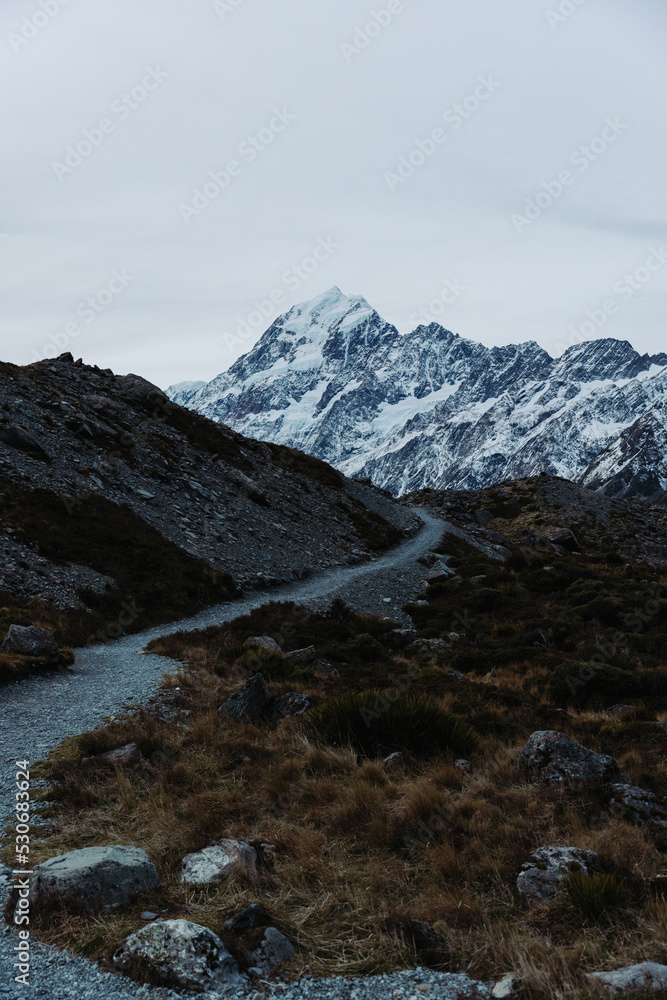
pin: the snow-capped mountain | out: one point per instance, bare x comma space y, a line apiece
429, 408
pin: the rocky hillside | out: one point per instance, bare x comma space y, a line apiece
432, 409
120, 509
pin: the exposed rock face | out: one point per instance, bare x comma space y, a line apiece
274, 949
29, 640
638, 805
182, 954
104, 878
559, 759
644, 976
249, 701
220, 861
429, 408
547, 867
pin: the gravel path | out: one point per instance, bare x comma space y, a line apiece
37, 714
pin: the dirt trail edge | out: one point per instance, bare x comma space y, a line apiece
40, 712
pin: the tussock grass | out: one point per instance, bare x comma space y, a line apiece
356, 846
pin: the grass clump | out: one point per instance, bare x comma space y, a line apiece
597, 896
376, 723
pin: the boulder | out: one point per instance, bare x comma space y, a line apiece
249, 701
645, 976
565, 538
483, 516
439, 574
17, 437
248, 919
263, 642
638, 806
103, 878
324, 669
181, 954
28, 640
274, 949
221, 860
559, 759
286, 705
546, 868
427, 647
301, 657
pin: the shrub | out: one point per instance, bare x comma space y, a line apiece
376, 723
272, 665
596, 896
583, 683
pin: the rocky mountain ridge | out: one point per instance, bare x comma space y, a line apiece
430, 409
108, 488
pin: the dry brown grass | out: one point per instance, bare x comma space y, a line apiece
354, 845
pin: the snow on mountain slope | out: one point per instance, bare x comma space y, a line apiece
429, 408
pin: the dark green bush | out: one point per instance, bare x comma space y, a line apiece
377, 723
582, 683
267, 662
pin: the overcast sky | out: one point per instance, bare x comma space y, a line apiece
114, 115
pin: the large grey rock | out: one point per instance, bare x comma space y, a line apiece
263, 642
559, 759
104, 878
301, 657
182, 954
219, 861
274, 949
565, 538
638, 805
644, 976
28, 640
546, 868
249, 701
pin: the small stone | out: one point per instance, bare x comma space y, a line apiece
220, 861
301, 657
263, 642
508, 986
287, 705
129, 754
147, 915
462, 765
274, 949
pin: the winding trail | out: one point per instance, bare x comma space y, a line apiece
40, 712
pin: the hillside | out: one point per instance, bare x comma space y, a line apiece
119, 509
